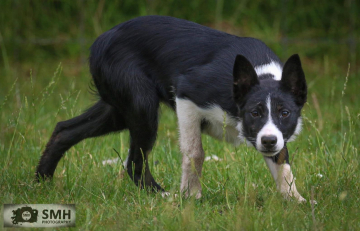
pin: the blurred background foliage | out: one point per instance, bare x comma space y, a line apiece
36, 35
38, 30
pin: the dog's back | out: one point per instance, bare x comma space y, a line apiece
170, 54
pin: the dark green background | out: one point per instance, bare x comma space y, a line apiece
37, 30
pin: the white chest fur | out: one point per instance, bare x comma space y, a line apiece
220, 125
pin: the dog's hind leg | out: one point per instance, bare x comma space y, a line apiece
98, 120
142, 120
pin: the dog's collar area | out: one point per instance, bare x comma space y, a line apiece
269, 153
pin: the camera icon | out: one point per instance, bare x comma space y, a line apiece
24, 214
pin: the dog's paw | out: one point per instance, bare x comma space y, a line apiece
198, 195
293, 195
313, 202
168, 194
195, 193
300, 199
165, 194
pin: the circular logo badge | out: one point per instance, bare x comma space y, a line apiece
26, 215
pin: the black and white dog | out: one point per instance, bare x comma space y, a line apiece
203, 74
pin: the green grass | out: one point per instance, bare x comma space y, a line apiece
238, 192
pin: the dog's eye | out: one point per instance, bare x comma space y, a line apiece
285, 113
255, 113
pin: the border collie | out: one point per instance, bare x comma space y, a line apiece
204, 75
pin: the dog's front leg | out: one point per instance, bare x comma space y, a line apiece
280, 169
189, 120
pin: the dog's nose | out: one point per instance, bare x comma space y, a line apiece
268, 141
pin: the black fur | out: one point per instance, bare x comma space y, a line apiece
294, 80
245, 78
148, 60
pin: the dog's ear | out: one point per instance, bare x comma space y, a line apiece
245, 78
293, 79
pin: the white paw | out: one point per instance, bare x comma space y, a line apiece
301, 199
198, 195
168, 194
110, 161
165, 194
313, 202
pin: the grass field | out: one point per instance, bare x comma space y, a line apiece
238, 191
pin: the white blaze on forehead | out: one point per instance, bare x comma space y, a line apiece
272, 68
270, 129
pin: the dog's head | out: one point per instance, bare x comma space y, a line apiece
269, 109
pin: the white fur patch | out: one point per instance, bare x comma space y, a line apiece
272, 68
273, 167
239, 128
189, 119
213, 157
219, 122
110, 161
297, 130
284, 179
270, 129
126, 161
